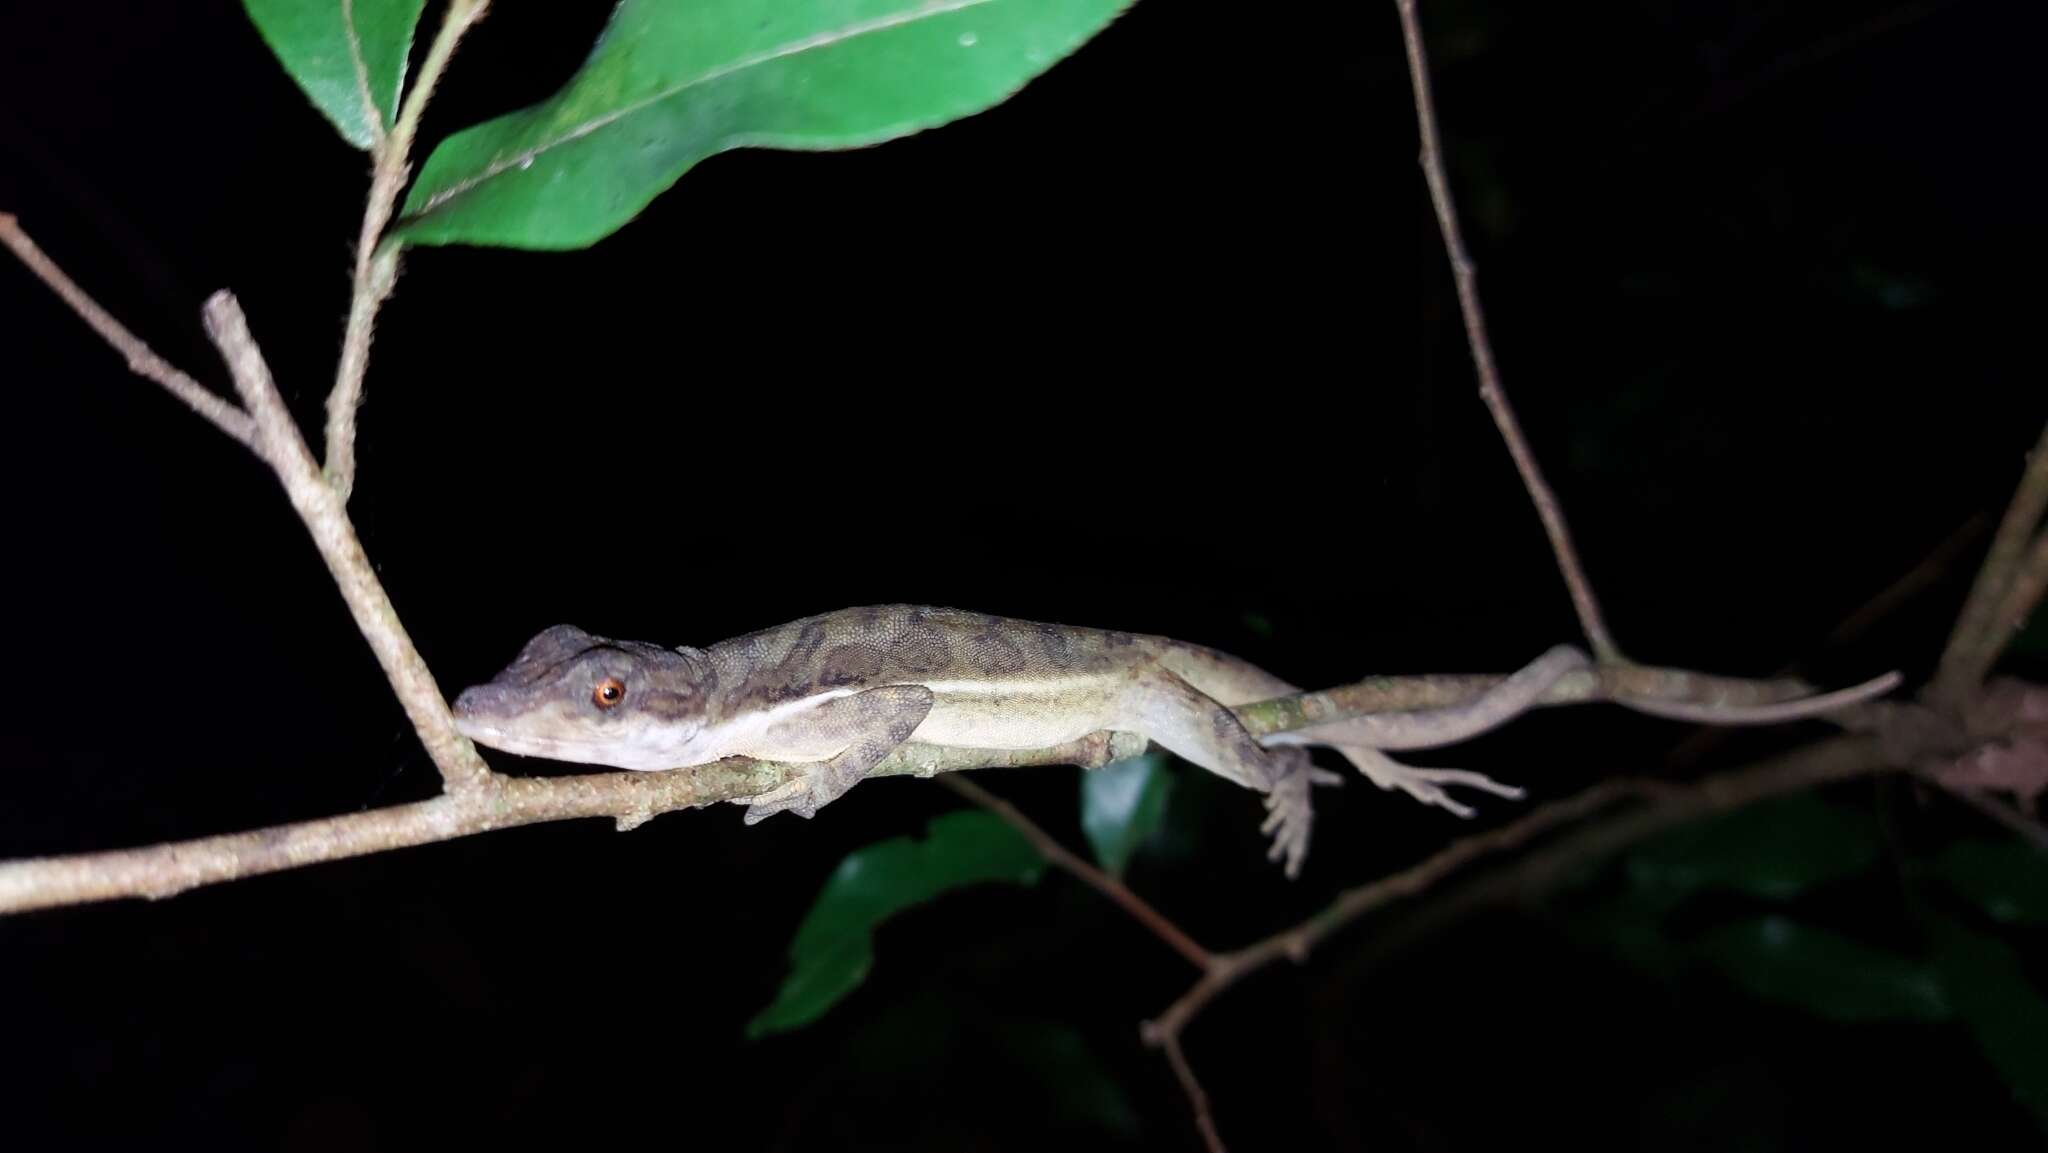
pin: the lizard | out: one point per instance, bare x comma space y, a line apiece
838, 691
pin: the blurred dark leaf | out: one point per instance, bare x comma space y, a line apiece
2007, 878
1774, 850
933, 1038
1823, 972
1122, 807
834, 947
2009, 1016
1740, 1105
1629, 927
1076, 1087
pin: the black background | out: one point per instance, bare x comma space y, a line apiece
1166, 343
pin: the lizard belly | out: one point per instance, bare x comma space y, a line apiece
994, 715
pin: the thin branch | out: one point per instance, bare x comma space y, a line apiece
2008, 815
622, 795
141, 360
630, 799
1836, 759
2022, 594
1199, 1100
1888, 600
376, 264
1910, 584
326, 518
1049, 847
1985, 623
1466, 276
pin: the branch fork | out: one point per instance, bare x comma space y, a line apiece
2009, 587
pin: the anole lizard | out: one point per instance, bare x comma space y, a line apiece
838, 692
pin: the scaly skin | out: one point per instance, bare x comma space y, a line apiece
840, 690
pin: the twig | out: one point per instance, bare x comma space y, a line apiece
1836, 759
141, 360
326, 519
2008, 815
1890, 599
624, 796
1049, 847
267, 429
1910, 584
2022, 594
1466, 276
1296, 942
1196, 1097
630, 799
376, 265
1985, 623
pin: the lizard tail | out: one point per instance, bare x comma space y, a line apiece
1232, 681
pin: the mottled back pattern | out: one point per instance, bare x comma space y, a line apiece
862, 648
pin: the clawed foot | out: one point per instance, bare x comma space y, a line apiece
1424, 784
804, 796
1290, 811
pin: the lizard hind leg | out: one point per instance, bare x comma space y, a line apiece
1197, 728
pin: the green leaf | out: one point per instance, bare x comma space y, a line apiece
1987, 981
672, 82
2007, 878
1782, 960
1775, 850
1122, 806
834, 947
347, 55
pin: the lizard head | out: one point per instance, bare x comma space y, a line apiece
571, 696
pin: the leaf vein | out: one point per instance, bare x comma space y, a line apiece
371, 116
781, 51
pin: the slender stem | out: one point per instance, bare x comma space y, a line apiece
1836, 759
377, 264
141, 360
617, 795
1910, 584
2022, 594
2008, 815
1466, 277
1048, 847
326, 519
1199, 1100
630, 799
1985, 623
1890, 599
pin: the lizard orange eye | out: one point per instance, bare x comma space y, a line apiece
610, 691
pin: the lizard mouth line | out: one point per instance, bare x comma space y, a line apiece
493, 736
